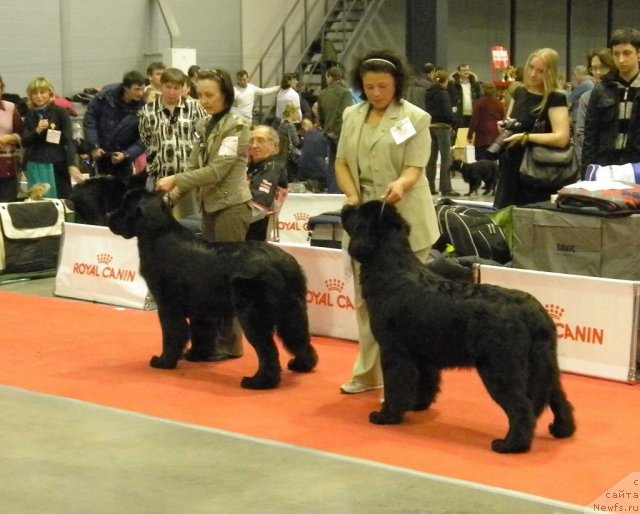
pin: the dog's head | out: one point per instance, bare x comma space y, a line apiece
370, 225
139, 213
457, 165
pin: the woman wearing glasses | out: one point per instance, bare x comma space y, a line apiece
601, 63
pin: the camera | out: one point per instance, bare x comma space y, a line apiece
510, 127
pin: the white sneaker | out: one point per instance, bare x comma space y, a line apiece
357, 387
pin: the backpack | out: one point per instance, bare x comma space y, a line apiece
471, 232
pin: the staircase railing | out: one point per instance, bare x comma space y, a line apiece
280, 50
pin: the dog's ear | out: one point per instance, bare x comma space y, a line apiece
151, 206
348, 215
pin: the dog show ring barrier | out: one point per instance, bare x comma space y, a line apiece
97, 265
596, 318
330, 292
296, 211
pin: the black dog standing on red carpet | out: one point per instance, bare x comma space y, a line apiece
195, 284
475, 173
425, 323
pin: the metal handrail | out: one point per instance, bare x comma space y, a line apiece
281, 35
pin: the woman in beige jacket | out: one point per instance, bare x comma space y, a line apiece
383, 149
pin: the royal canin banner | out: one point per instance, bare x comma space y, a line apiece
99, 266
596, 318
294, 216
330, 293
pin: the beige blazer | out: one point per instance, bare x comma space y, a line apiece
389, 159
217, 167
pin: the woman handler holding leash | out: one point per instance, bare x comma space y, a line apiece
383, 149
217, 170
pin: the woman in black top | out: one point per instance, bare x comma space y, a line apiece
541, 108
48, 138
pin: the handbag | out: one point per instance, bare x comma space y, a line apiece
548, 167
8, 166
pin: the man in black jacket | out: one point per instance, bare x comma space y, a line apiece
464, 89
612, 123
111, 125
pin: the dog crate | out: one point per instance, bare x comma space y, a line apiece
30, 238
325, 230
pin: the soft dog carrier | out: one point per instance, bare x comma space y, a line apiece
30, 238
471, 232
325, 230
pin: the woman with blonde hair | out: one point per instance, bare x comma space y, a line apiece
290, 141
540, 108
50, 153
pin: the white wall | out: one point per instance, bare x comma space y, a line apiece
89, 43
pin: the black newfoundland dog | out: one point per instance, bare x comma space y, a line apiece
97, 196
475, 173
195, 284
425, 323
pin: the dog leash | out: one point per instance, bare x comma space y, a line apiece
384, 202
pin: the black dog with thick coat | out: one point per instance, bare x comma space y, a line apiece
425, 323
195, 284
94, 198
475, 173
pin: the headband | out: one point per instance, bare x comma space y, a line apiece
377, 59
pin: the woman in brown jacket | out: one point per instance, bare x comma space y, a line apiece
488, 111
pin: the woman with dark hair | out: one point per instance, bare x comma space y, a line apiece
437, 102
383, 149
287, 94
217, 171
601, 64
217, 164
487, 112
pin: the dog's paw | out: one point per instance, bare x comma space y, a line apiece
562, 430
303, 363
383, 418
161, 363
419, 405
505, 446
260, 382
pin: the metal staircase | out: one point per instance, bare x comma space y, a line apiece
325, 33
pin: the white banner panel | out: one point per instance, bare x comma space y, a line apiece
330, 296
99, 266
597, 318
298, 208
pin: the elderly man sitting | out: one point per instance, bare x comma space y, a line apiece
266, 172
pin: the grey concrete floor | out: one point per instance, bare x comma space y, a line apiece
62, 456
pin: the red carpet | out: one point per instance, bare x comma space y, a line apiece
100, 354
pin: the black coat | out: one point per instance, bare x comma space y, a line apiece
438, 104
602, 126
